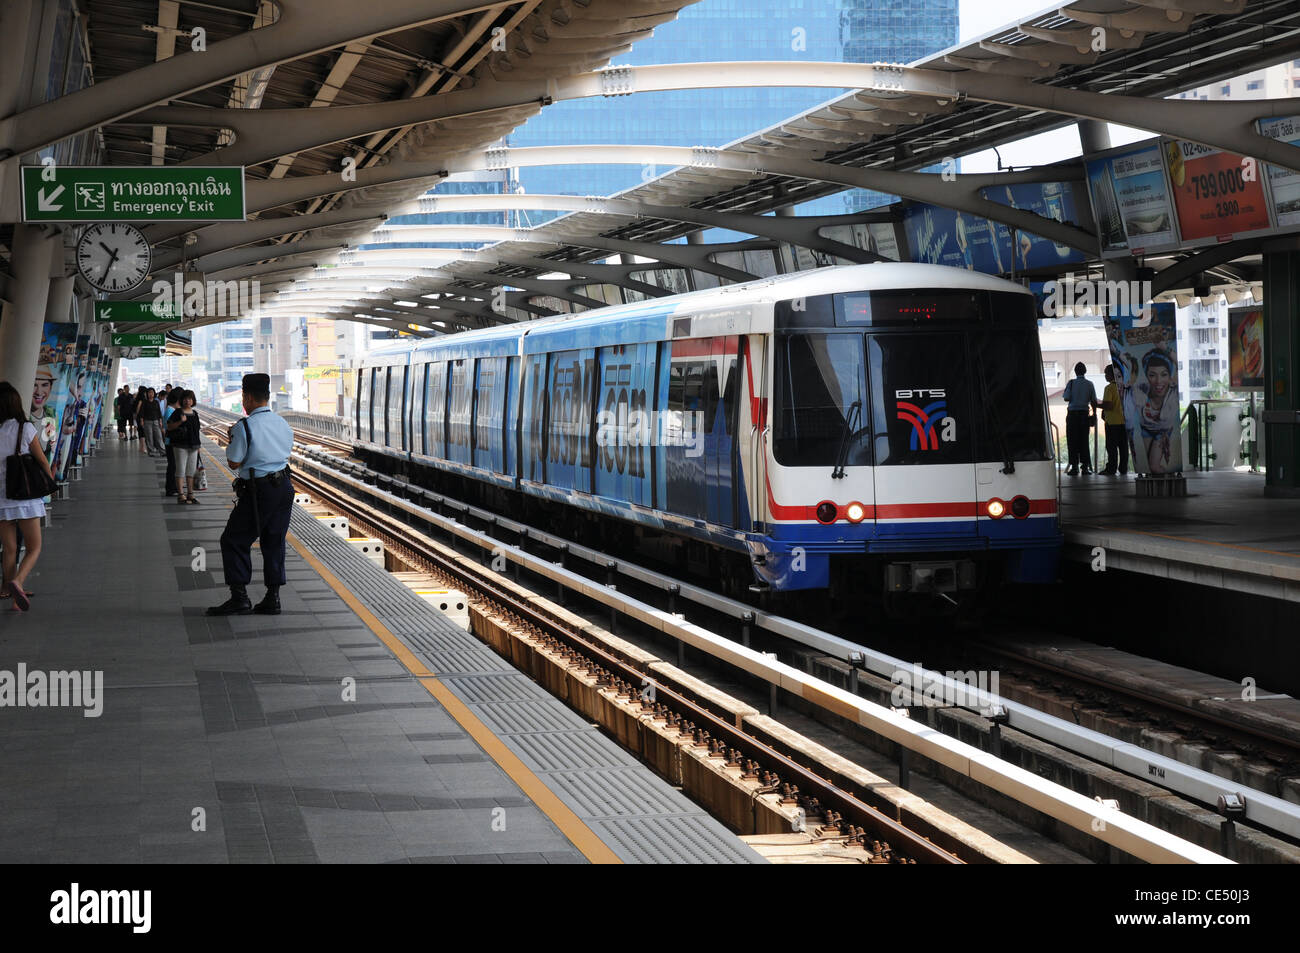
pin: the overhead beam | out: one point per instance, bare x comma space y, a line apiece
304, 27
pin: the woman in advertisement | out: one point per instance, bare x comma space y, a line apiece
42, 415
1159, 414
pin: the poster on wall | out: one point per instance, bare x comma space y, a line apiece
1246, 348
1213, 194
1054, 200
1131, 202
1143, 348
941, 236
1283, 183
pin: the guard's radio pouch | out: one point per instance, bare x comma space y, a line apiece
240, 485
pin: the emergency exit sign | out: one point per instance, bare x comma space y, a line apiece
143, 193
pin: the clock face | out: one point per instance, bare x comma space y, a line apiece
113, 256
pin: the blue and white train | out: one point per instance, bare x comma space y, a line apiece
875, 426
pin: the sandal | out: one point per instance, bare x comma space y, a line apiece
20, 598
191, 500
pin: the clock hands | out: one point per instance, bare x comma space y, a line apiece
113, 253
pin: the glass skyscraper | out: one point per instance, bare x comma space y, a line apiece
863, 31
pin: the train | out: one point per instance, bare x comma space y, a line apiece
877, 428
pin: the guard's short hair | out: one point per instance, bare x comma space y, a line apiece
257, 386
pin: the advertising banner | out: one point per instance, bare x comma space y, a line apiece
1130, 198
50, 389
1144, 350
1246, 348
1283, 183
941, 236
1214, 196
1054, 200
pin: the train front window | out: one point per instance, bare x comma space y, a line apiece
1008, 374
921, 399
821, 401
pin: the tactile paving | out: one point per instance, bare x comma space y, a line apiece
638, 815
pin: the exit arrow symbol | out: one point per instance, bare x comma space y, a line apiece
107, 313
45, 203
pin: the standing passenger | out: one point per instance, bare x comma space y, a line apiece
1112, 413
1081, 400
259, 450
184, 442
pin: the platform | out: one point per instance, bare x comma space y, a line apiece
1225, 534
234, 739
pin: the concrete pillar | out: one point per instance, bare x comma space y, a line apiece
1281, 417
24, 317
58, 305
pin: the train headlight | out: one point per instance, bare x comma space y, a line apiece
827, 512
856, 512
1020, 507
996, 508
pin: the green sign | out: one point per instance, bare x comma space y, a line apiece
139, 340
150, 352
132, 311
147, 193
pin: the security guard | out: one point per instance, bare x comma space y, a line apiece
259, 448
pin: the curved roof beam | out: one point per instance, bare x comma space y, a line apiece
961, 192
303, 28
237, 234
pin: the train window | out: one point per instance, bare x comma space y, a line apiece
922, 412
1008, 376
821, 398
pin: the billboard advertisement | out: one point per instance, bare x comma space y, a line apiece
1144, 350
1131, 201
941, 236
1246, 348
1283, 183
50, 388
1214, 195
1054, 200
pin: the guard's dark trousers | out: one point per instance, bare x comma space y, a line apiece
274, 507
1076, 438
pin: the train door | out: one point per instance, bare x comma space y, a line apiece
923, 426
489, 394
460, 395
511, 435
365, 388
535, 426
682, 430
435, 411
571, 418
623, 426
722, 388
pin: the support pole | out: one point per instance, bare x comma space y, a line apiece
22, 322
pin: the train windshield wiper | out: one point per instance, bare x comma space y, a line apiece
1008, 464
846, 440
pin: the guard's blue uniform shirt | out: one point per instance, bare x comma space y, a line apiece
1079, 394
272, 444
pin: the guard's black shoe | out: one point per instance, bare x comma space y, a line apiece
237, 604
270, 604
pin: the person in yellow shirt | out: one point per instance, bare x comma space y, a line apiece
1112, 413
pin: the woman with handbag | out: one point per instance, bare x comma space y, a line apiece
184, 429
27, 478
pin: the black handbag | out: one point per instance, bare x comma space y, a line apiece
24, 478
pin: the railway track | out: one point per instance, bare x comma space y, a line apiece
393, 527
833, 810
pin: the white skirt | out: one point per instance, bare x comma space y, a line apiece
21, 509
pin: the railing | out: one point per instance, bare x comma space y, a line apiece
1199, 420
326, 426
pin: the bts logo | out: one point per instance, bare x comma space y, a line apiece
931, 422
